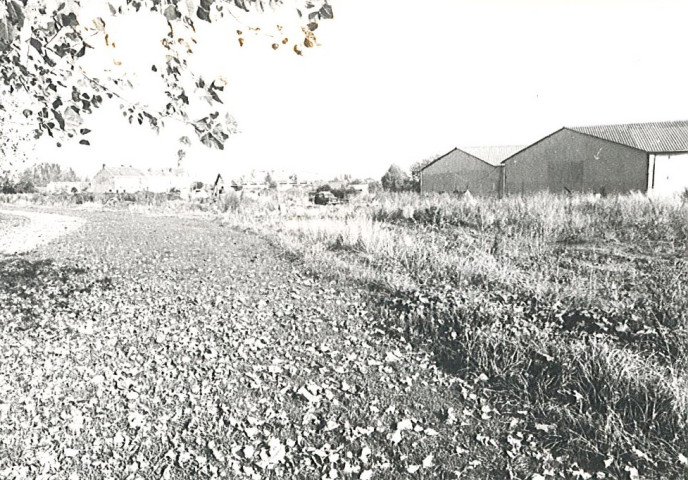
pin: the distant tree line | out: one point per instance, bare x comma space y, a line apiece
39, 175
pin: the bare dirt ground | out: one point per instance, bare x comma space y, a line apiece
41, 228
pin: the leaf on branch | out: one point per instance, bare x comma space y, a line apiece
297, 50
310, 40
211, 141
84, 142
35, 43
72, 117
60, 119
326, 12
10, 23
99, 24
203, 10
68, 20
48, 61
241, 4
172, 13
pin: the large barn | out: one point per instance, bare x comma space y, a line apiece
469, 169
644, 157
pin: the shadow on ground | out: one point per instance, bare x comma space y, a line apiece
31, 286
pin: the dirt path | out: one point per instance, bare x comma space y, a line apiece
41, 228
157, 347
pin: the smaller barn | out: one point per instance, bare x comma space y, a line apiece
476, 170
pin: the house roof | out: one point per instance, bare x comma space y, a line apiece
123, 171
654, 137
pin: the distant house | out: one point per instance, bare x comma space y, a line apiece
166, 180
474, 169
644, 157
130, 180
118, 180
280, 180
66, 187
219, 185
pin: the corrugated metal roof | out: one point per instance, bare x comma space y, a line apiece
655, 137
493, 154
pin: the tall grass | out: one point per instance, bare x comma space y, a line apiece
547, 217
573, 305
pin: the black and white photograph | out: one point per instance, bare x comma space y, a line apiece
343, 239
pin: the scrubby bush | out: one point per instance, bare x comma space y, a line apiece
229, 202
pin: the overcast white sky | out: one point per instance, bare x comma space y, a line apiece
396, 81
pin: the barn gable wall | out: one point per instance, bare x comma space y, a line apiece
459, 171
572, 161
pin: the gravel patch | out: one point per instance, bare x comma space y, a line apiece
22, 231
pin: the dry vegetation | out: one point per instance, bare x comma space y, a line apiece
538, 337
574, 308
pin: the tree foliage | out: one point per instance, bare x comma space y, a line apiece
42, 174
396, 180
416, 169
44, 44
36, 176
